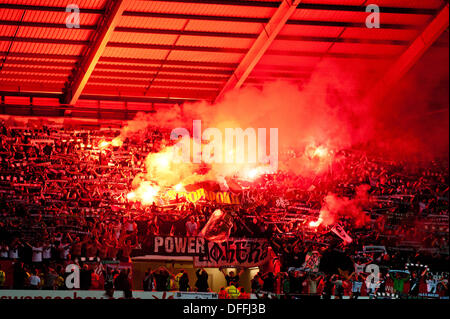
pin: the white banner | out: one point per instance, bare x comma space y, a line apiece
374, 249
98, 294
342, 234
195, 295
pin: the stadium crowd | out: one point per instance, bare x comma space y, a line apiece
63, 200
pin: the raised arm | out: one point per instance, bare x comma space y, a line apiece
28, 244
424, 272
223, 271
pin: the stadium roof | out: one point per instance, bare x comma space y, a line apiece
132, 55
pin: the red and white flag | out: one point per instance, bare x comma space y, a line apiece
99, 269
342, 234
218, 227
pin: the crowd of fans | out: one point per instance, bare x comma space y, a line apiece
63, 200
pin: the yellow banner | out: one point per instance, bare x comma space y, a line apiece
218, 197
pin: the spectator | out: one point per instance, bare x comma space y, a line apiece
286, 284
47, 252
122, 282
223, 294
14, 250
162, 276
34, 280
20, 276
399, 283
50, 279
357, 283
148, 281
232, 278
338, 286
312, 282
183, 281
415, 281
191, 227
269, 282
202, 280
256, 284
243, 294
328, 288
37, 253
109, 282
4, 251
232, 292
2, 278
85, 277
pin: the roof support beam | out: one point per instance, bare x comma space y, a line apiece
261, 45
415, 51
245, 3
41, 56
201, 34
28, 63
262, 20
48, 95
93, 97
114, 10
255, 52
43, 25
74, 58
263, 4
319, 23
310, 6
169, 62
15, 72
44, 40
146, 69
45, 8
362, 8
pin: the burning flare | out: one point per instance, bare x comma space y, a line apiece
146, 193
117, 142
103, 144
179, 187
316, 224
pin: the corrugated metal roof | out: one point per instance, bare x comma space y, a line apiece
87, 4
216, 42
202, 9
135, 53
206, 56
149, 23
129, 37
224, 26
349, 16
187, 49
380, 34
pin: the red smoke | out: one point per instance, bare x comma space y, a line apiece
334, 110
335, 208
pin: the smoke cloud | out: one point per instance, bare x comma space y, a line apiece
332, 111
335, 207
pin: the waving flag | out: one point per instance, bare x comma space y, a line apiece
342, 234
218, 227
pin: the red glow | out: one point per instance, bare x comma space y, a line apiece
316, 224
104, 144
